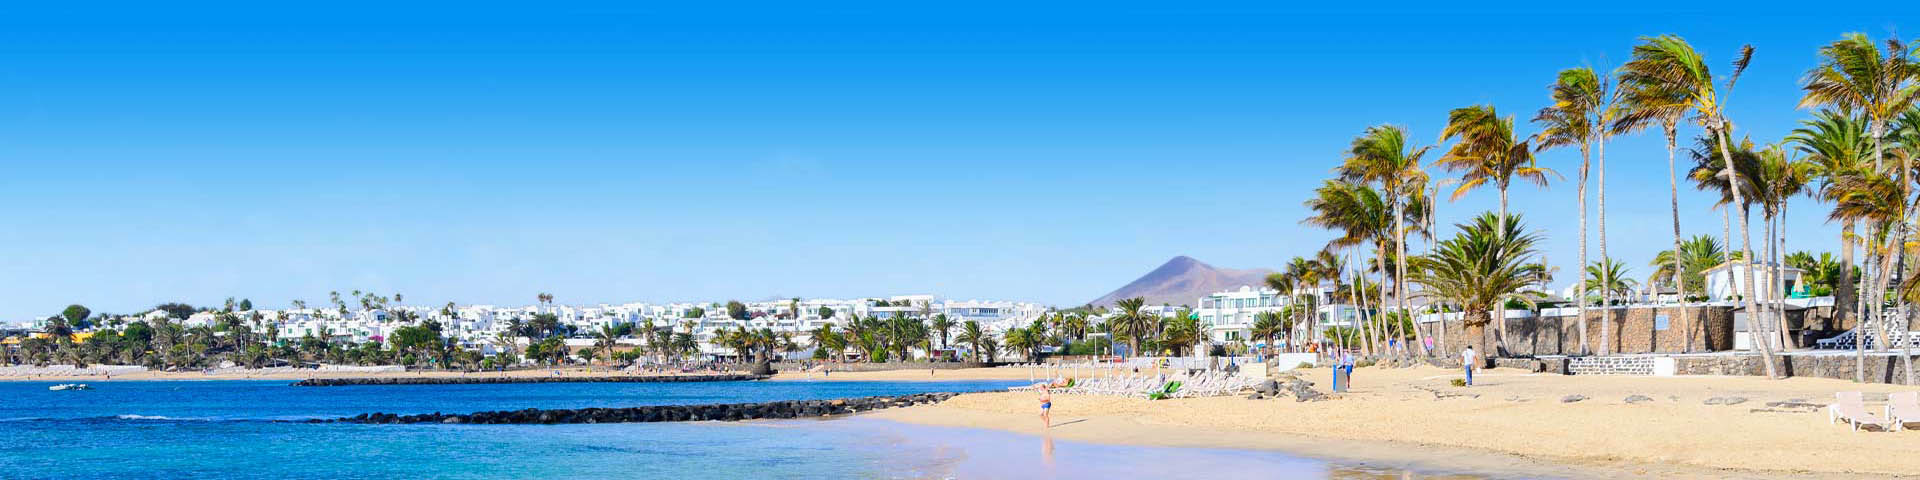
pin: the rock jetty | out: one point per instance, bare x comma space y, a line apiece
343, 382
662, 413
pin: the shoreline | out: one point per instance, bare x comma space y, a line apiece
1410, 418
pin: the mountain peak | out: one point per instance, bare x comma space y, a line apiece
1182, 280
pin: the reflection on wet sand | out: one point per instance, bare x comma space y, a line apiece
946, 452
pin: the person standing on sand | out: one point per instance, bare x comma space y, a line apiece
1046, 408
1466, 358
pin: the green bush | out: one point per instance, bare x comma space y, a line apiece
1363, 363
1459, 382
1304, 365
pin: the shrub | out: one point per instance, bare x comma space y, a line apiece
1304, 365
1459, 382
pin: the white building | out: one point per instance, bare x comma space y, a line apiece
1728, 281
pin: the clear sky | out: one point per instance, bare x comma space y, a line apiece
606, 152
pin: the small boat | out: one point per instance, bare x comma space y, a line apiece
69, 386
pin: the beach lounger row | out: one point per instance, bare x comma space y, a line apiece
1902, 408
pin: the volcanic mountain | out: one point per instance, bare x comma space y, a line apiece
1182, 281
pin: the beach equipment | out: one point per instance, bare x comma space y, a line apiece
1849, 406
1903, 408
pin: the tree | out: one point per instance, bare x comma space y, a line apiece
1670, 64
1609, 276
972, 335
1489, 151
246, 305
1696, 256
1645, 98
942, 324
736, 310
1854, 76
606, 339
1576, 118
1838, 147
1132, 323
1480, 269
1269, 325
1384, 157
177, 311
825, 312
76, 315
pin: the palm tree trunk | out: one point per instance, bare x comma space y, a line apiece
1440, 324
1500, 328
1746, 242
1580, 294
1380, 260
1780, 284
1679, 273
1606, 274
1359, 301
1899, 254
1400, 275
1844, 301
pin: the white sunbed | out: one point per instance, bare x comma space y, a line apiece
1850, 407
1903, 408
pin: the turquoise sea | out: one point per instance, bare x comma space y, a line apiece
227, 429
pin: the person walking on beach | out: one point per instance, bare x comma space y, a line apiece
1346, 361
1466, 357
1046, 408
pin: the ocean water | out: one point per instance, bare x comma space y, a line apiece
227, 429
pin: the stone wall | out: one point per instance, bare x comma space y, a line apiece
880, 367
1611, 365
1702, 329
1880, 368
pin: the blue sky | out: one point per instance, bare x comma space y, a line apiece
609, 152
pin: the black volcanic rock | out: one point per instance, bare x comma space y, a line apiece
662, 413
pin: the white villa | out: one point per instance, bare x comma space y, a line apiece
1728, 280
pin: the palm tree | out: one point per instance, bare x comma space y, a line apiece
1383, 156
1269, 325
1671, 64
1489, 152
1838, 147
605, 340
1610, 276
1578, 116
942, 324
1359, 214
1853, 76
1783, 177
1480, 269
1645, 100
1132, 323
972, 335
1696, 255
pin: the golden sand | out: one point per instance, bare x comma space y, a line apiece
1414, 416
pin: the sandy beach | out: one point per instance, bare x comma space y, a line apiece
1510, 422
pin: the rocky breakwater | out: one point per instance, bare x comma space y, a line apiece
663, 413
345, 382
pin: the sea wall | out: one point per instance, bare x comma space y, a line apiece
342, 382
1881, 368
1634, 330
663, 413
881, 367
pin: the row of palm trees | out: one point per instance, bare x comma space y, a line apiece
1855, 154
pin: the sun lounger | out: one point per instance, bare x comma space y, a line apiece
1849, 406
1903, 408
